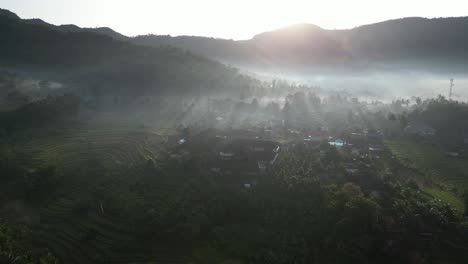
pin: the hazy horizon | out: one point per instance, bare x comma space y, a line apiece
196, 19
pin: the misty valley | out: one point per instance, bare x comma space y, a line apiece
300, 145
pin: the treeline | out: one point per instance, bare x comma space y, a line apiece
447, 117
48, 112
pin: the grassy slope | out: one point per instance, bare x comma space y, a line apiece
445, 196
73, 225
432, 162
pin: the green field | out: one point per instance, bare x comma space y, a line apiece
435, 164
432, 162
104, 192
445, 196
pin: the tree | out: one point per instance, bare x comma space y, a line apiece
351, 190
418, 101
403, 120
13, 249
465, 201
287, 113
351, 117
273, 108
314, 101
254, 104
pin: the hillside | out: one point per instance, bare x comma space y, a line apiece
413, 41
91, 59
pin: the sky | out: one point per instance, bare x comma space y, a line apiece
231, 19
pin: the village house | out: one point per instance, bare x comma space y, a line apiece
247, 156
356, 142
420, 130
376, 151
453, 154
356, 139
374, 136
314, 139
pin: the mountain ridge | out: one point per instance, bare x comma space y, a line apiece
103, 64
425, 43
420, 42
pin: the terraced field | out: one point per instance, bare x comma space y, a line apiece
93, 220
431, 161
116, 145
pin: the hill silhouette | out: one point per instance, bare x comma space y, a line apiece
418, 41
94, 59
412, 42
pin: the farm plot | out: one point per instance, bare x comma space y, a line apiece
94, 218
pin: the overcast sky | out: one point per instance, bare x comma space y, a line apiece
236, 19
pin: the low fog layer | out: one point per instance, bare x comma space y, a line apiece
382, 85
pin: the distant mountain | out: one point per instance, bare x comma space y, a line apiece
418, 41
414, 43
90, 57
283, 47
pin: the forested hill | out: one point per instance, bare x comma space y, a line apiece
65, 28
417, 42
97, 60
